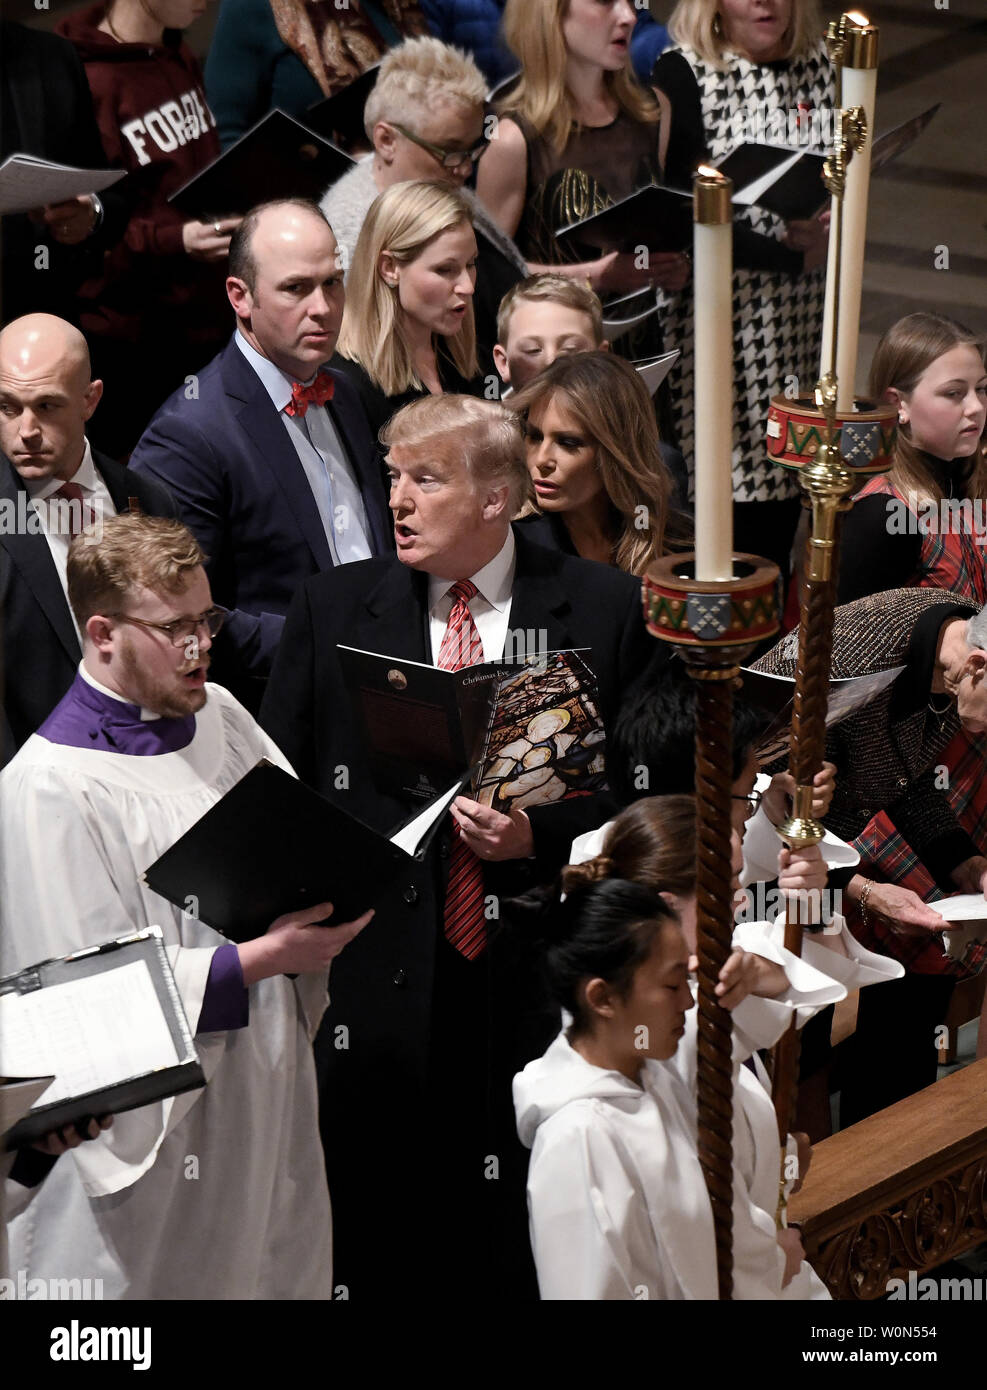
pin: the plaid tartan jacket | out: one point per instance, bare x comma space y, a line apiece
950, 559
887, 753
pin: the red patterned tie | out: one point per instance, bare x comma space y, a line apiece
80, 515
317, 392
465, 926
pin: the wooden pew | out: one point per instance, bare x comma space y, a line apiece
966, 1003
903, 1190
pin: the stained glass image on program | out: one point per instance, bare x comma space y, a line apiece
547, 740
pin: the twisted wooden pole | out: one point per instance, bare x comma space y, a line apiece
833, 455
828, 482
714, 624
714, 933
817, 601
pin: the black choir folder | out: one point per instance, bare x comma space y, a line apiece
782, 180
656, 217
104, 1025
272, 845
277, 158
789, 182
528, 731
340, 117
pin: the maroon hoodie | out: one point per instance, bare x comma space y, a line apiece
154, 121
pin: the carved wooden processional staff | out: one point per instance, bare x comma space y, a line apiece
833, 441
716, 607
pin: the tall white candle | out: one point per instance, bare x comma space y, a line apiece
859, 89
712, 266
829, 307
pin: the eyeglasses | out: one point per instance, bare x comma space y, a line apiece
449, 159
753, 800
180, 630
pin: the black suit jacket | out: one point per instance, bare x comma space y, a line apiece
558, 601
422, 1028
240, 487
38, 641
382, 606
47, 111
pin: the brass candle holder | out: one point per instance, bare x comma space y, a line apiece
714, 624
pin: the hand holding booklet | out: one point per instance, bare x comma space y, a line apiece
272, 845
104, 1025
516, 734
965, 935
27, 182
525, 733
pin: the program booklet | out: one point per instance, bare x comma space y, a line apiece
527, 732
789, 182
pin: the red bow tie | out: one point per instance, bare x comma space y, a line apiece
316, 393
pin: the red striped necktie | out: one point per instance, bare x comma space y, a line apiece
81, 515
464, 923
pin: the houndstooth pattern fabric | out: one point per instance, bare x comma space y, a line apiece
777, 318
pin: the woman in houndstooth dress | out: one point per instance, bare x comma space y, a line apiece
752, 72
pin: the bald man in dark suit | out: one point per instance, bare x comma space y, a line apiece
52, 484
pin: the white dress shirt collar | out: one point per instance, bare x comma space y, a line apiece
494, 581
276, 383
39, 489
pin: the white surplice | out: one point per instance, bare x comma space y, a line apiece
617, 1200
816, 979
217, 1193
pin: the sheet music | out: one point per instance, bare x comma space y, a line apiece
410, 836
962, 907
759, 187
88, 1033
654, 371
27, 182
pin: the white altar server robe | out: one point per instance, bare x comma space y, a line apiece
816, 979
617, 1201
217, 1193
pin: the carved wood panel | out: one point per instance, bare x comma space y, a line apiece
917, 1232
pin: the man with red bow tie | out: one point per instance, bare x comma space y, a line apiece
267, 451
